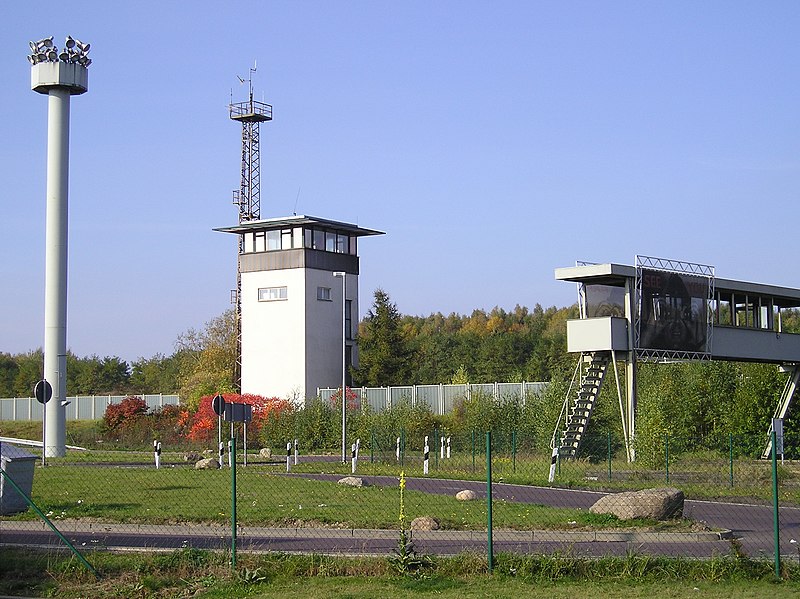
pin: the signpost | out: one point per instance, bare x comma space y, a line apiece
218, 405
43, 392
777, 427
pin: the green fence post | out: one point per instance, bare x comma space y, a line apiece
372, 446
775, 514
489, 499
730, 456
608, 436
666, 454
514, 451
233, 502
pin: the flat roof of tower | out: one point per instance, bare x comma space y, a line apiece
296, 220
616, 274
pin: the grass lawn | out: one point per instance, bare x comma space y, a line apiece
192, 573
266, 498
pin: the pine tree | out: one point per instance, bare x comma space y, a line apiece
384, 354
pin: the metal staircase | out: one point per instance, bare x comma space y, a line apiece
792, 383
595, 366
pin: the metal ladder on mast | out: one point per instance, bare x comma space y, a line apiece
789, 390
576, 422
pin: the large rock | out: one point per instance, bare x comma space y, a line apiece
192, 457
653, 504
424, 523
207, 464
466, 495
265, 453
353, 481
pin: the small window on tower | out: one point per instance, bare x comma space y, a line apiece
324, 294
272, 294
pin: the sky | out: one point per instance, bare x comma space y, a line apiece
492, 141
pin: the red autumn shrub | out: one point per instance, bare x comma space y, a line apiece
353, 399
124, 413
203, 423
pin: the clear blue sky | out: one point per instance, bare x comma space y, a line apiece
492, 141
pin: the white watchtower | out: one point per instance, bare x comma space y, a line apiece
299, 303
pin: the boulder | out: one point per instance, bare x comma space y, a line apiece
207, 464
652, 504
353, 481
209, 452
466, 495
265, 453
192, 457
424, 523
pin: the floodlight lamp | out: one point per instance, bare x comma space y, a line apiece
41, 57
33, 46
70, 43
52, 55
47, 42
82, 47
88, 62
31, 59
64, 56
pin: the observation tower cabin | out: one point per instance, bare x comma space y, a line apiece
665, 311
297, 325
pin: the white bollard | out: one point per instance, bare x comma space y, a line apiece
157, 453
230, 454
221, 452
553, 461
441, 450
397, 451
295, 452
353, 458
448, 448
426, 457
288, 455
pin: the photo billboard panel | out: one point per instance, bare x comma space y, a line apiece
673, 311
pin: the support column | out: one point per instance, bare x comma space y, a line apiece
630, 365
55, 309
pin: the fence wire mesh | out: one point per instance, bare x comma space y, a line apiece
303, 502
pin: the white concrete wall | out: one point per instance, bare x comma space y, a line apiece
324, 331
292, 347
273, 335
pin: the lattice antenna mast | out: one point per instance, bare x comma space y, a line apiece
248, 197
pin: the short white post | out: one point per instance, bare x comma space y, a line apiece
553, 461
288, 456
353, 458
397, 451
157, 453
426, 457
230, 453
221, 452
448, 448
441, 450
244, 453
295, 452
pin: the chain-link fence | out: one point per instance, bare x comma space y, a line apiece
713, 499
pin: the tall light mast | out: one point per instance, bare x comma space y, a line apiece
59, 75
248, 197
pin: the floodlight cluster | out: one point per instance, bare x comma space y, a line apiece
74, 52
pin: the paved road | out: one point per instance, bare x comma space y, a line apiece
752, 524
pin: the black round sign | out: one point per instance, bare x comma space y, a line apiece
43, 391
218, 403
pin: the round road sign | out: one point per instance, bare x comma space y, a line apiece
218, 403
43, 391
